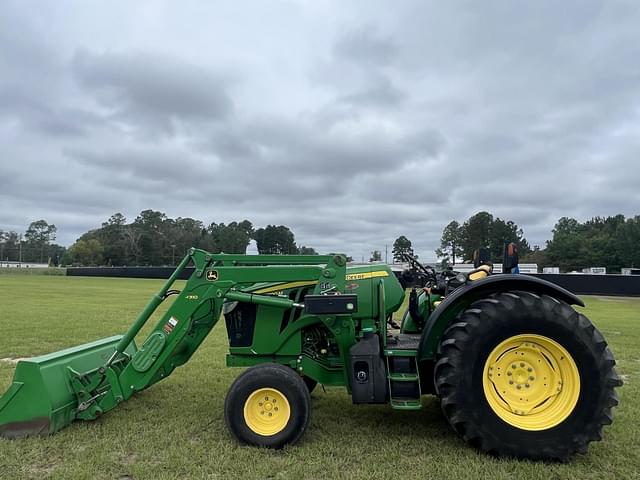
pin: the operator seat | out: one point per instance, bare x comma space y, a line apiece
482, 263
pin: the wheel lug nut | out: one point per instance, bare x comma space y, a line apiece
509, 373
531, 378
270, 414
519, 387
530, 369
521, 364
510, 382
513, 365
526, 385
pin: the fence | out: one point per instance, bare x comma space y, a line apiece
615, 285
127, 272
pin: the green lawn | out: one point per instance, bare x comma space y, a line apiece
176, 428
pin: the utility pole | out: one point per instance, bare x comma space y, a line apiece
173, 254
386, 254
20, 250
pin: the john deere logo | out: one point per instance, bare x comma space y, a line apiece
212, 275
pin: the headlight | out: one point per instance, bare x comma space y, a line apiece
461, 277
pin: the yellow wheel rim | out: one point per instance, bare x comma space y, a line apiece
267, 411
531, 382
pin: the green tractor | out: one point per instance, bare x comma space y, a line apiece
517, 370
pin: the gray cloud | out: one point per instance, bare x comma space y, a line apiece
39, 116
365, 45
382, 93
152, 91
352, 125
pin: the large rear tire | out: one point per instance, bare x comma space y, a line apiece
268, 406
526, 376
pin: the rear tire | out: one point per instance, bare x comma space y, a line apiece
557, 345
268, 406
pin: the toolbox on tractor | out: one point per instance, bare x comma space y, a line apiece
517, 370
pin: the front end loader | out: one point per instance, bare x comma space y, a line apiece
517, 370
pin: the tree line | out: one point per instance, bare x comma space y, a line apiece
401, 245
612, 242
152, 238
482, 230
34, 246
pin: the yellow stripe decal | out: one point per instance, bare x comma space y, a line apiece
350, 276
367, 275
285, 286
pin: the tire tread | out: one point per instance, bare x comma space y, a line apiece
460, 335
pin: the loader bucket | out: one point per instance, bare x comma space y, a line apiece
41, 401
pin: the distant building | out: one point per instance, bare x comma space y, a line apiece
631, 271
23, 265
497, 267
595, 270
398, 268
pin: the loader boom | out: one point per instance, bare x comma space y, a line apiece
92, 379
195, 311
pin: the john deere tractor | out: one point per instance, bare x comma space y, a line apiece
518, 372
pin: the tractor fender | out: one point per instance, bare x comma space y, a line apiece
464, 296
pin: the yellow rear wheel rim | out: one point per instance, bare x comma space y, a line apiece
267, 411
531, 382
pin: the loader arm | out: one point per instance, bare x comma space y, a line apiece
50, 392
196, 310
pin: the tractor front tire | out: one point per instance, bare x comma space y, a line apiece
526, 376
268, 405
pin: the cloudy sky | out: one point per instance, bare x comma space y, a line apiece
351, 122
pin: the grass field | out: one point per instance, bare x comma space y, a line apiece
176, 429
